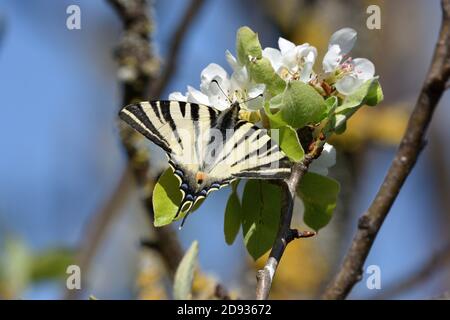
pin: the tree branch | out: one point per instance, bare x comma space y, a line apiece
285, 234
137, 69
135, 55
410, 147
174, 47
137, 66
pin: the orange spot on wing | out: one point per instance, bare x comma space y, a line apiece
200, 177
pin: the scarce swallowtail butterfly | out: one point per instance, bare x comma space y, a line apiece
207, 148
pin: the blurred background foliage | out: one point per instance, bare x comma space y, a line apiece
62, 160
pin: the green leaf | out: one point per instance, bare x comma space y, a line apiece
369, 93
249, 53
331, 104
184, 275
232, 217
261, 205
340, 122
299, 105
289, 142
374, 95
356, 99
51, 264
330, 126
261, 71
247, 44
166, 198
275, 118
319, 195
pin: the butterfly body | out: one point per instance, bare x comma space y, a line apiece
207, 148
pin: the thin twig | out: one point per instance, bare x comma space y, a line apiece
174, 48
410, 147
285, 234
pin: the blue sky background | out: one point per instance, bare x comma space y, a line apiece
61, 157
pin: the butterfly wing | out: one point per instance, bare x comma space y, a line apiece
207, 149
176, 127
250, 153
163, 122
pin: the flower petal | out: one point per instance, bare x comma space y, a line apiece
274, 57
211, 72
306, 73
290, 60
256, 90
220, 102
218, 93
308, 52
345, 38
256, 94
363, 68
326, 160
332, 58
177, 96
232, 61
222, 87
255, 104
196, 96
348, 84
239, 78
285, 45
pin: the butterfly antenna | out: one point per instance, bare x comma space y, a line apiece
226, 96
259, 95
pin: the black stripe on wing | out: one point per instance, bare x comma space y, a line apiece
264, 162
165, 112
136, 117
255, 152
167, 115
280, 170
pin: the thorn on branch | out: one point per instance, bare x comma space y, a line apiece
295, 234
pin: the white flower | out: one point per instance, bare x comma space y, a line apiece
356, 72
292, 62
219, 90
326, 160
349, 73
340, 44
177, 95
242, 88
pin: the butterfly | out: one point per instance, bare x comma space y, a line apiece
207, 149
